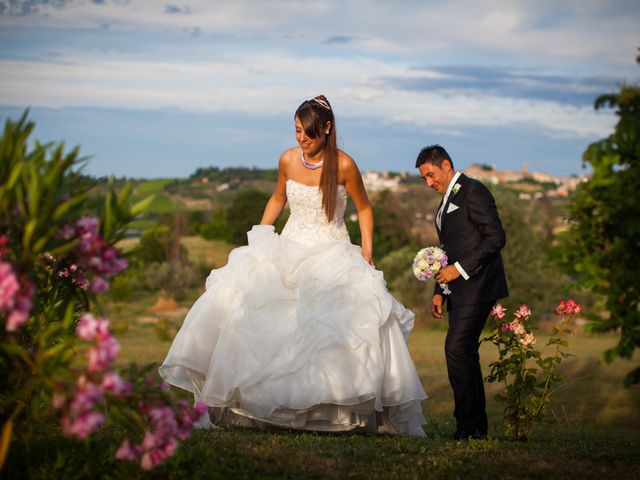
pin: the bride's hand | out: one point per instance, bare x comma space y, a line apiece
368, 258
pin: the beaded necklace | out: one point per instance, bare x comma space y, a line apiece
310, 166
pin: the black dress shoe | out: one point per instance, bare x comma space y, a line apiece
464, 435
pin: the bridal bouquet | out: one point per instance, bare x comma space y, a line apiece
428, 262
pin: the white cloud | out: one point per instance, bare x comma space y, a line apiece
582, 32
271, 83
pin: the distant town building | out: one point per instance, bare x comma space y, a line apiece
377, 181
564, 185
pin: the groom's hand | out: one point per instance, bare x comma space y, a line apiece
436, 305
447, 274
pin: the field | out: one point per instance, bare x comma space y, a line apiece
592, 432
593, 429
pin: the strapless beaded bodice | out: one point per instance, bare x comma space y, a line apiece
307, 221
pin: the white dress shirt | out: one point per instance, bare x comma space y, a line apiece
439, 219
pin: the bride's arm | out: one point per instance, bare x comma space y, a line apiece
278, 198
355, 188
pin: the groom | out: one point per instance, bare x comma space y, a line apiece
471, 233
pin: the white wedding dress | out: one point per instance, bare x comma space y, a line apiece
299, 331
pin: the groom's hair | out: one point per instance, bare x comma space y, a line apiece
433, 154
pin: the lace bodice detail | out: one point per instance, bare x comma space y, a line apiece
307, 221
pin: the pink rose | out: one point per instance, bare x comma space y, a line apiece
498, 311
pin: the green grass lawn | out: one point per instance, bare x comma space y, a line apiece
593, 427
592, 432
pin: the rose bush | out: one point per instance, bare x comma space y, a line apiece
526, 374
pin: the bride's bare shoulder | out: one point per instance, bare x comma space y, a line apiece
346, 164
287, 157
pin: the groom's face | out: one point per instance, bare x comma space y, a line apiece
436, 177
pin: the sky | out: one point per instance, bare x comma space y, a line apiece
153, 89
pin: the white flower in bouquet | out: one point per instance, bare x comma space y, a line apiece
428, 262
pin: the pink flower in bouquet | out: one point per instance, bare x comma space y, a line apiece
506, 327
498, 311
428, 262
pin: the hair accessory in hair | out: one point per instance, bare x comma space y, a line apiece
322, 102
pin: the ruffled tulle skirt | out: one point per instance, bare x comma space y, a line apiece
299, 336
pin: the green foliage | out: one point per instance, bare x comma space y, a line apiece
235, 174
390, 226
217, 228
244, 212
602, 248
398, 273
149, 187
153, 246
43, 193
529, 230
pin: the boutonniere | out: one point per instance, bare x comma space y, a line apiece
455, 189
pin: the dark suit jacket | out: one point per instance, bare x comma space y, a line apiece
472, 235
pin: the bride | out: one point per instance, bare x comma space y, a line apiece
298, 330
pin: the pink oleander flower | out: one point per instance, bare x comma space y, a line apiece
82, 426
99, 285
21, 306
58, 400
506, 327
128, 451
152, 458
523, 312
87, 327
9, 287
16, 319
85, 398
498, 311
116, 385
103, 354
4, 240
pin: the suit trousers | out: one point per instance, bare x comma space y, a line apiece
463, 365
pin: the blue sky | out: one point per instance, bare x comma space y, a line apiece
156, 88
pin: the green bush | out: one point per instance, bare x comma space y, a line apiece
244, 212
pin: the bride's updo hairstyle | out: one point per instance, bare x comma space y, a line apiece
314, 115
